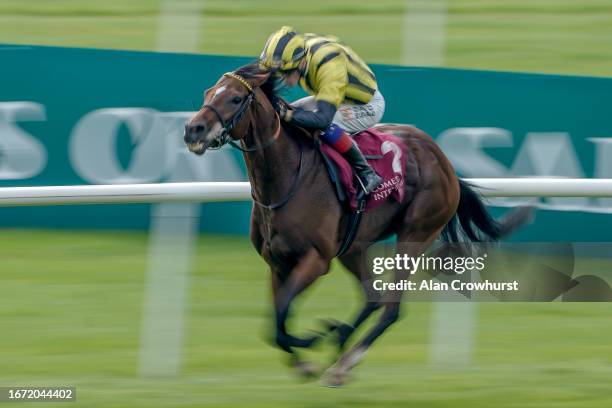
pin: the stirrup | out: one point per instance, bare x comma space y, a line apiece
363, 189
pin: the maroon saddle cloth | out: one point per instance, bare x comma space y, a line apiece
386, 154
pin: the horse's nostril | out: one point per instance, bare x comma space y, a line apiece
195, 128
193, 131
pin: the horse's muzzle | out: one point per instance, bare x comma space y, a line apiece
194, 137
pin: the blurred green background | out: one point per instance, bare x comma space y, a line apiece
553, 36
71, 302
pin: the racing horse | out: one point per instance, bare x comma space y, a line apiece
298, 224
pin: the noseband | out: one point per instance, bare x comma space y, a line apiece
228, 126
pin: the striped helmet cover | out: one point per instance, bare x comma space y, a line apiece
283, 50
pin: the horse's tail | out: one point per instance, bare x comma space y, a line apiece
476, 222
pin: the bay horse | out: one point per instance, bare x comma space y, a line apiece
297, 222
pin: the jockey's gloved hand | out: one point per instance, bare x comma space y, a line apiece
285, 112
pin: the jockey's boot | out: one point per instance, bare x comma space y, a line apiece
340, 140
369, 179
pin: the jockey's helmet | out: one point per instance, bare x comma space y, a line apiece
284, 50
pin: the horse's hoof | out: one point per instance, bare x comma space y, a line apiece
333, 378
330, 325
306, 369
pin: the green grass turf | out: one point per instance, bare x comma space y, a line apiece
70, 313
557, 36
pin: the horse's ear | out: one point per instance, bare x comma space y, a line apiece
259, 79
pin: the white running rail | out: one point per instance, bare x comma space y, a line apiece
241, 191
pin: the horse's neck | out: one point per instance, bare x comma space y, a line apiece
271, 170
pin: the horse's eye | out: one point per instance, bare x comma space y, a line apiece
236, 100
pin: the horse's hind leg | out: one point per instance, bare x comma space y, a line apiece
413, 245
355, 263
423, 221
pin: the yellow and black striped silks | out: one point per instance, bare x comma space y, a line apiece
334, 72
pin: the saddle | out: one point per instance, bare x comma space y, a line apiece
386, 154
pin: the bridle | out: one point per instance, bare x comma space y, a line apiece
229, 125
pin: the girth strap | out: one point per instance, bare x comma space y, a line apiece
353, 225
355, 216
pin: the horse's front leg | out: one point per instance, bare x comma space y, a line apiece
307, 270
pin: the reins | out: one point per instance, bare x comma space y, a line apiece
225, 138
261, 146
292, 189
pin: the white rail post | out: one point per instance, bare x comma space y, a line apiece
173, 228
424, 32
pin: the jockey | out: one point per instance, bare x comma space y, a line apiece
344, 94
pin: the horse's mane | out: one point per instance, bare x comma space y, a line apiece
270, 88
